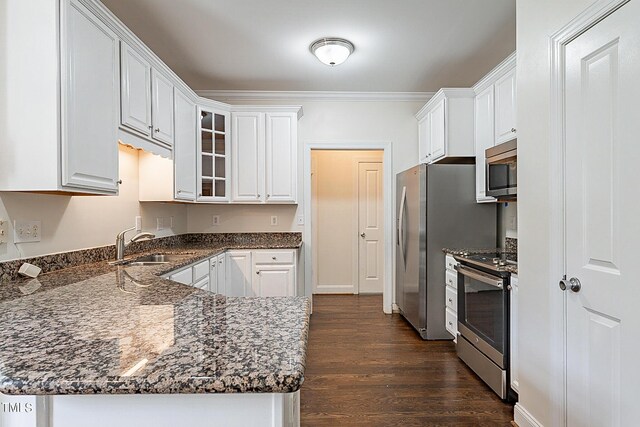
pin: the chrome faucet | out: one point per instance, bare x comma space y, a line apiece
121, 245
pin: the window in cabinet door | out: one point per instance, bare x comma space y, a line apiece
213, 151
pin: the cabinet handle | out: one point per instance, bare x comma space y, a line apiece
513, 130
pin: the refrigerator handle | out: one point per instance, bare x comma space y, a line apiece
403, 200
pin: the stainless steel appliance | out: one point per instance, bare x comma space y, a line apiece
502, 170
435, 208
483, 319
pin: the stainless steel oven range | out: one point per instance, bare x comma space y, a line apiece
483, 319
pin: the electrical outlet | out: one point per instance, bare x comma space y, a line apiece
138, 224
300, 219
216, 220
160, 224
4, 231
26, 231
274, 220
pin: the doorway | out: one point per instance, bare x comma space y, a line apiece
347, 221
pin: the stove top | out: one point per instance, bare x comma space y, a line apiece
496, 261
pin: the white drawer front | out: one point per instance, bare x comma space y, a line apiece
451, 299
274, 257
450, 262
200, 270
451, 322
451, 277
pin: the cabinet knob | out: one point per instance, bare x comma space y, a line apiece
199, 194
119, 182
157, 130
220, 262
268, 195
179, 191
257, 272
513, 130
150, 127
450, 324
273, 258
450, 300
257, 196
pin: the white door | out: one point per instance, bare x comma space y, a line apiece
281, 157
162, 108
184, 149
423, 141
247, 156
90, 96
238, 281
371, 227
505, 93
484, 138
437, 134
135, 90
602, 101
273, 281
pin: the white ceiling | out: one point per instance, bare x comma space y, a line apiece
401, 45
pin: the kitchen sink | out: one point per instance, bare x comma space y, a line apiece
157, 259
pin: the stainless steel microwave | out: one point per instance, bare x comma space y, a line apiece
502, 170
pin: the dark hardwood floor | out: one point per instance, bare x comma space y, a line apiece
370, 369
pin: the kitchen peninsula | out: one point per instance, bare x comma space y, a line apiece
102, 344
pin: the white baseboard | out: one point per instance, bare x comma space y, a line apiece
523, 418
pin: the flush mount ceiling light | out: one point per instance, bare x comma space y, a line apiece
332, 51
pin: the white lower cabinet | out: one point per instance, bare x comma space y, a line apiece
513, 328
238, 273
243, 273
451, 297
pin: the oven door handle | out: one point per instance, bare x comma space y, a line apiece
480, 276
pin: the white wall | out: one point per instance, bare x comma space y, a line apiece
536, 21
334, 197
70, 223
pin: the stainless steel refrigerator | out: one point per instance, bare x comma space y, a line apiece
435, 208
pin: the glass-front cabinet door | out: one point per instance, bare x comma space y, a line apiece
213, 155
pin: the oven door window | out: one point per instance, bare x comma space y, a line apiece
484, 311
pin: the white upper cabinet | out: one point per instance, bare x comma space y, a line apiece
184, 149
247, 153
484, 138
135, 90
146, 98
505, 93
445, 126
281, 157
495, 117
60, 112
264, 156
89, 143
162, 108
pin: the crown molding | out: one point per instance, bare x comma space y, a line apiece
501, 69
260, 95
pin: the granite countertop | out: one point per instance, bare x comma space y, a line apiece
510, 268
107, 329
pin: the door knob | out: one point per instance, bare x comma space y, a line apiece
575, 284
363, 235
